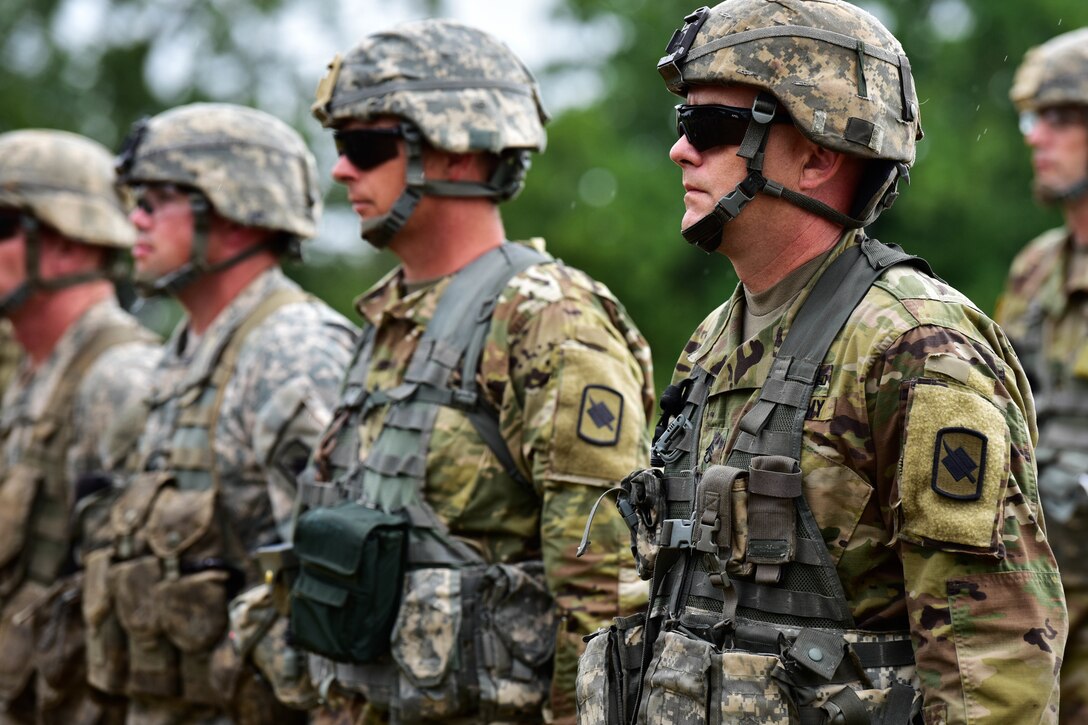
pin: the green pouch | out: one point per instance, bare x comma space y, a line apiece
351, 567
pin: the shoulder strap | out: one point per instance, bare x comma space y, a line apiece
228, 356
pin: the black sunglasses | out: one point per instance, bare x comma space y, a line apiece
709, 125
367, 148
10, 224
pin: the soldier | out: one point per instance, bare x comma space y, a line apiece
62, 233
495, 394
244, 388
844, 525
1043, 311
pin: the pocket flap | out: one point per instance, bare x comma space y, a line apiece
179, 519
332, 537
312, 588
130, 511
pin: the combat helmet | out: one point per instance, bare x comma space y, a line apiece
246, 165
454, 87
67, 182
1054, 74
842, 77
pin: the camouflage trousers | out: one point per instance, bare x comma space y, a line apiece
1074, 674
253, 705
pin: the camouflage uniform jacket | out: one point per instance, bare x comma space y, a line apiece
974, 581
274, 406
555, 334
119, 377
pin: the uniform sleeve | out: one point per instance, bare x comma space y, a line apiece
954, 442
582, 424
294, 392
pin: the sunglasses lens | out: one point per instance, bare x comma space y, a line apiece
367, 148
9, 224
710, 126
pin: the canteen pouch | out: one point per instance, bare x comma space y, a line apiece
18, 492
107, 650
351, 566
608, 671
678, 682
515, 640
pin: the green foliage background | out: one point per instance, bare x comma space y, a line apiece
605, 194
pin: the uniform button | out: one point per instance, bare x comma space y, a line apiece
815, 654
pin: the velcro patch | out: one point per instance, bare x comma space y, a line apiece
601, 416
954, 468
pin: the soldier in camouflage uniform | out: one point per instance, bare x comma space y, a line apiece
62, 231
244, 388
845, 526
1043, 310
435, 122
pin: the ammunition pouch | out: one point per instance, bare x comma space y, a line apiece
59, 652
351, 562
169, 592
608, 672
107, 648
18, 492
475, 640
17, 636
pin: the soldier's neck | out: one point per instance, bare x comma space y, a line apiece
208, 295
42, 321
446, 236
1076, 219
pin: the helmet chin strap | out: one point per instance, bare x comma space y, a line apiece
173, 282
707, 232
18, 297
504, 184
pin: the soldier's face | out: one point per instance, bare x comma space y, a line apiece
372, 191
715, 172
1058, 138
164, 231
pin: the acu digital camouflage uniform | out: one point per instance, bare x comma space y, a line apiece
563, 365
230, 422
54, 448
915, 451
1044, 311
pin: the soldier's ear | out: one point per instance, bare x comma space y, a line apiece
819, 166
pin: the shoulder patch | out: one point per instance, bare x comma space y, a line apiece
954, 469
601, 417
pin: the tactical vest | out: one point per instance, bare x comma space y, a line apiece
36, 499
160, 592
747, 619
448, 590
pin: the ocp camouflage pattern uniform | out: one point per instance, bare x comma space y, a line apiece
975, 583
56, 451
563, 365
230, 421
1044, 311
913, 460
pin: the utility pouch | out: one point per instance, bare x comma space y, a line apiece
351, 563
678, 682
107, 651
18, 491
129, 514
748, 689
59, 639
17, 640
640, 501
193, 609
260, 635
515, 640
608, 673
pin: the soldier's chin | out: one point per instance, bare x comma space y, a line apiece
1046, 194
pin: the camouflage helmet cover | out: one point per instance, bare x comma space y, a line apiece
66, 181
1053, 74
465, 90
841, 75
253, 168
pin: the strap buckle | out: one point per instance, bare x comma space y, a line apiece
676, 533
